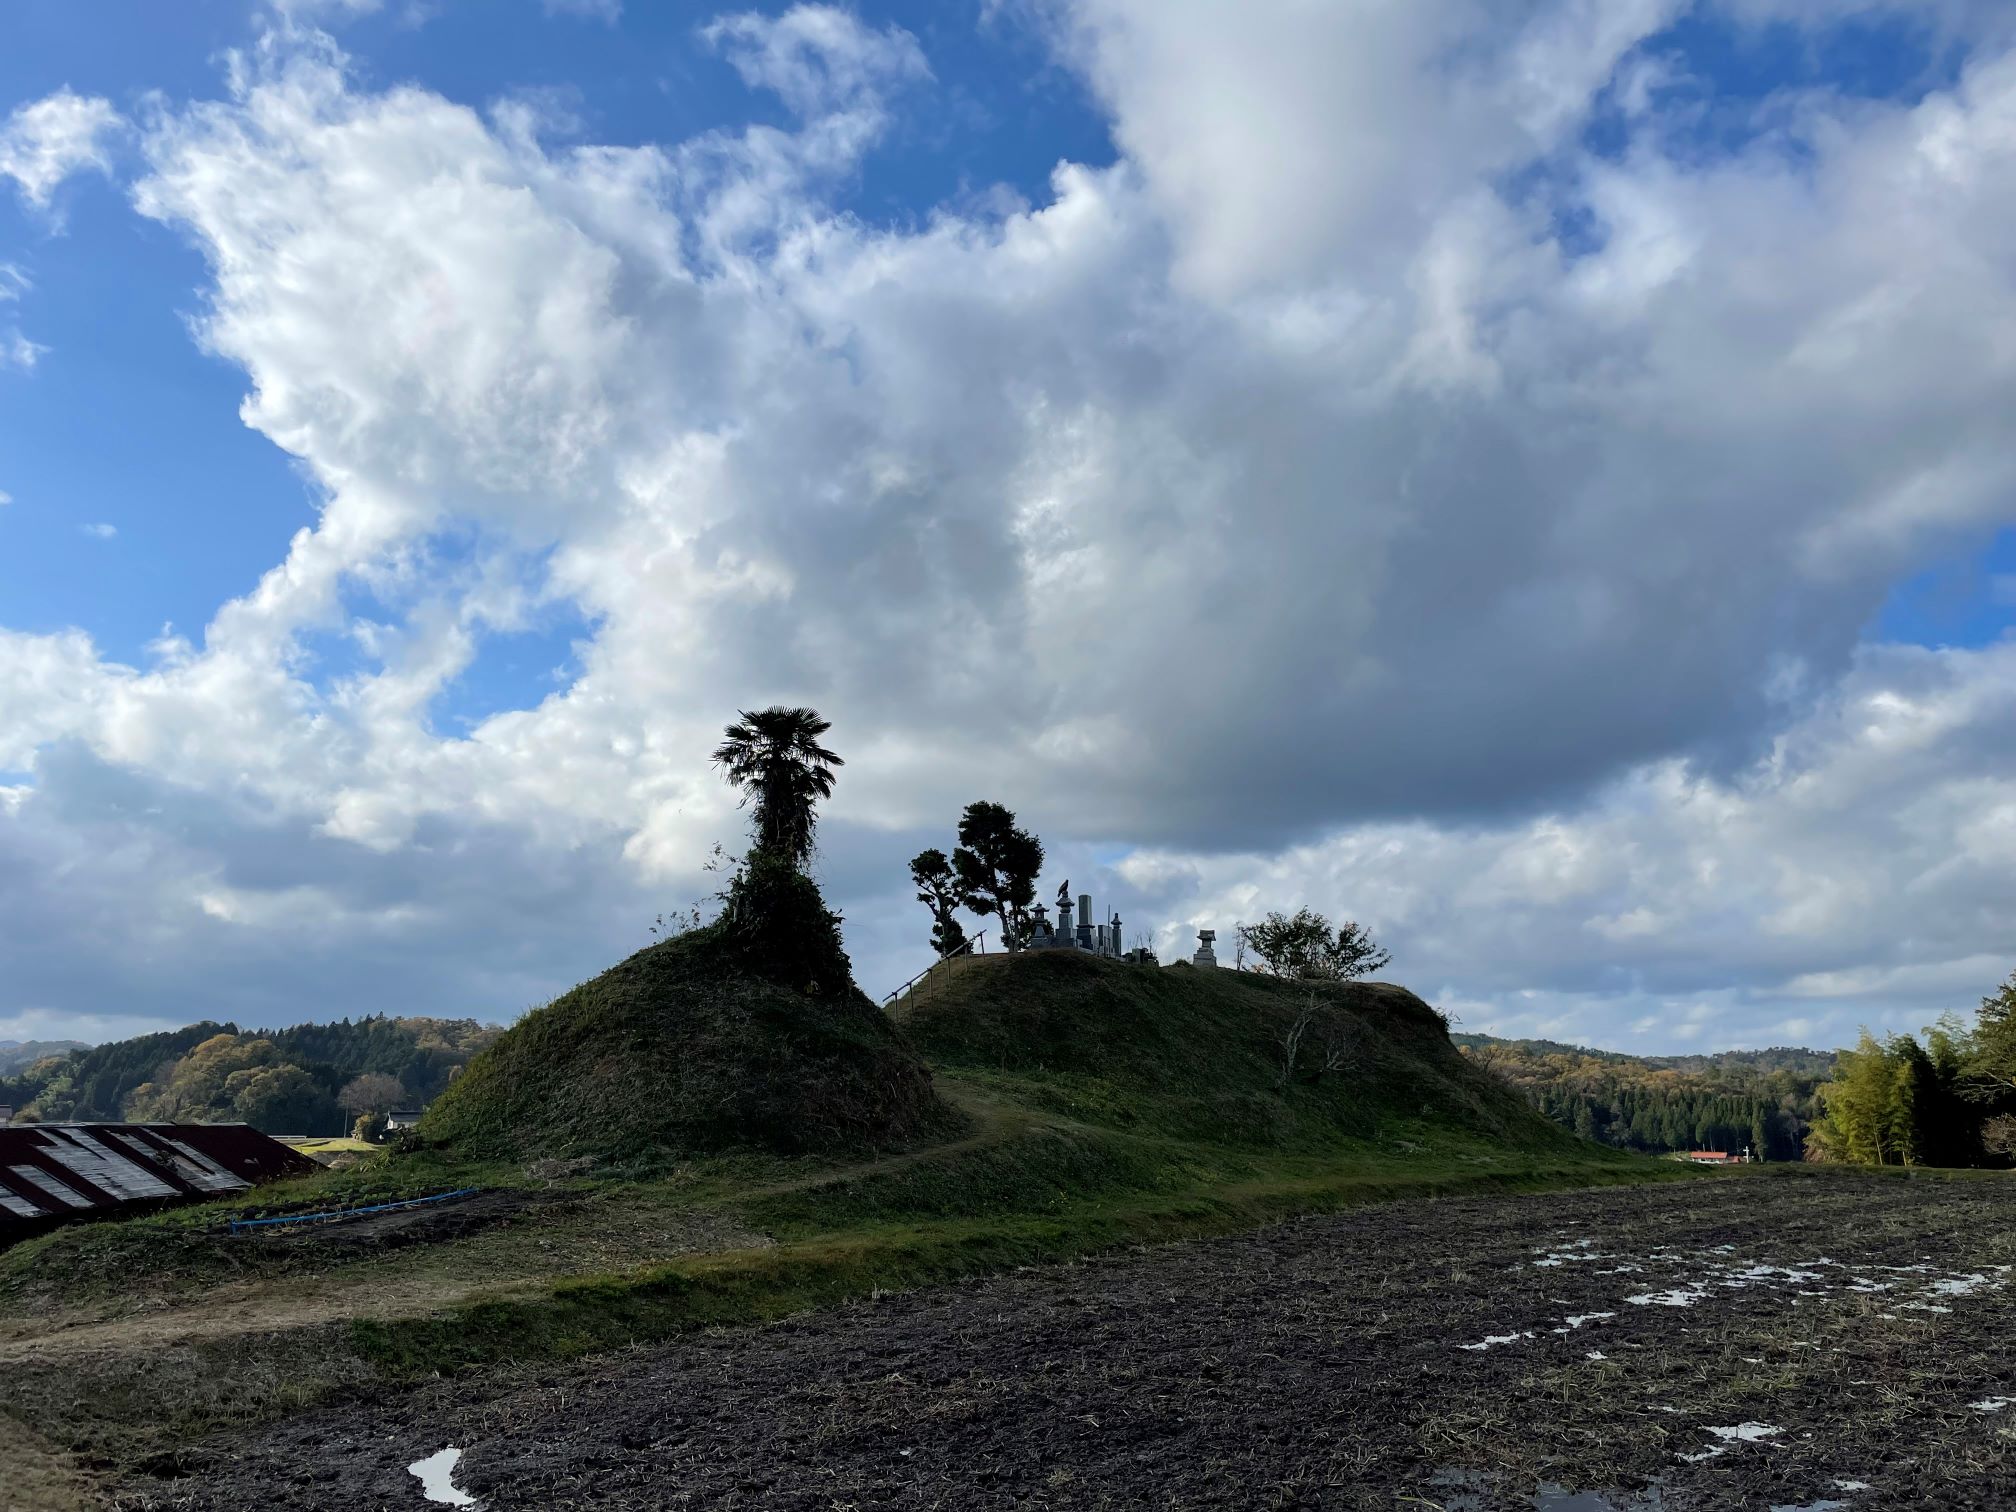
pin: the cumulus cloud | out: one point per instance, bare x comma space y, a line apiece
1878, 831
1291, 142
42, 143
1295, 499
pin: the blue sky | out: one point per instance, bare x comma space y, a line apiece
127, 421
1629, 344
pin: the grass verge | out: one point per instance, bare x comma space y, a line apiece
820, 1269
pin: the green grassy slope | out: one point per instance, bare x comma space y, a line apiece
1107, 1104
1085, 1104
680, 1050
1198, 1054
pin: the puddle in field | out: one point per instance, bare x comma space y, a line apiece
1959, 1286
1680, 1296
1826, 1503
1492, 1341
1471, 1491
1576, 1320
436, 1474
1729, 1438
1706, 1276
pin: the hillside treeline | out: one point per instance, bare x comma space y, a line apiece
311, 1079
1766, 1100
17, 1056
1948, 1101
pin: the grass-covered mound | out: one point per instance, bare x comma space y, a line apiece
1199, 1053
748, 1034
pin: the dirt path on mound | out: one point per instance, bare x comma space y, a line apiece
367, 1288
1773, 1341
359, 1289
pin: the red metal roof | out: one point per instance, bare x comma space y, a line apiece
49, 1172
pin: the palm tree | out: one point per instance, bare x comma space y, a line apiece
775, 757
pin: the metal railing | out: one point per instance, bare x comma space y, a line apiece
979, 940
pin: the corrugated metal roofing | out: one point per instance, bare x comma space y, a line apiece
53, 1171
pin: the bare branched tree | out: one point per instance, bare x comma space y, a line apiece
1325, 1032
1291, 1042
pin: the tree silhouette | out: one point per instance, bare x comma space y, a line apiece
938, 890
997, 865
1305, 945
775, 757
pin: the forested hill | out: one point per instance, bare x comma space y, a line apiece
16, 1054
304, 1080
1766, 1099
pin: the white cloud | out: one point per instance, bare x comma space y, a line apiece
313, 13
816, 58
1288, 479
18, 351
609, 12
1852, 875
5, 497
101, 532
44, 142
1291, 142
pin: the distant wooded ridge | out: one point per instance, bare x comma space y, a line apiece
17, 1054
1731, 1100
1946, 1100
310, 1079
1793, 1058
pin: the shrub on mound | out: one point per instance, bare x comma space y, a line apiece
748, 1034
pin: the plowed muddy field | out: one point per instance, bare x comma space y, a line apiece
1787, 1339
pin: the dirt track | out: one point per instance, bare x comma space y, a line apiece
1841, 1328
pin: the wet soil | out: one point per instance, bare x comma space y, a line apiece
1849, 1333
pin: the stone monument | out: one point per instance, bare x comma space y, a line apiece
1205, 956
